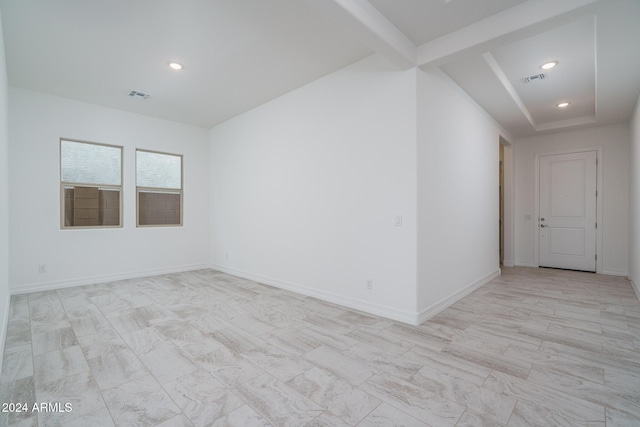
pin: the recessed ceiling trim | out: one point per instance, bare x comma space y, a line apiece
502, 77
578, 121
520, 20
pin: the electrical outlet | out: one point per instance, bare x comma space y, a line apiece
42, 268
369, 284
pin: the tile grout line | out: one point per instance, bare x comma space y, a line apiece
66, 313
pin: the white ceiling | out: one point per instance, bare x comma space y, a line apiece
241, 53
237, 53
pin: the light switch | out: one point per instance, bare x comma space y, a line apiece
397, 221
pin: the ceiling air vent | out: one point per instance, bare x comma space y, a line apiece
534, 78
138, 94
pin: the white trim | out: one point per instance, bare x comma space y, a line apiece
578, 121
599, 201
615, 272
636, 288
61, 284
412, 318
520, 263
509, 208
364, 306
436, 308
3, 332
506, 83
514, 23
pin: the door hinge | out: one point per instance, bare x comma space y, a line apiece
596, 225
596, 257
596, 194
596, 161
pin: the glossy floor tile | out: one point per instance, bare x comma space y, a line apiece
534, 347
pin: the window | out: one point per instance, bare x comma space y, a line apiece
90, 184
159, 188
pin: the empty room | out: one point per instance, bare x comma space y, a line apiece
319, 213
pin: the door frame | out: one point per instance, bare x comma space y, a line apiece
599, 205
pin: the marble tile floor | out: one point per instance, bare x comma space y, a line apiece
535, 347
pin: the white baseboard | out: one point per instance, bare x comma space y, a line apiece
610, 271
3, 332
614, 272
60, 284
508, 263
356, 304
436, 308
520, 263
636, 288
412, 318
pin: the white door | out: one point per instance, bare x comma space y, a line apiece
567, 201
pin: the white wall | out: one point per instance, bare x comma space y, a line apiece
305, 189
458, 204
614, 141
91, 255
634, 201
4, 199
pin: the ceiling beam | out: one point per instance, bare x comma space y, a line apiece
372, 28
493, 64
515, 23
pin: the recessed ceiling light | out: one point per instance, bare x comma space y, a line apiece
175, 65
563, 104
549, 65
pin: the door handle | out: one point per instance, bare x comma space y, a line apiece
542, 225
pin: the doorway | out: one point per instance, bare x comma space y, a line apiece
567, 210
501, 204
